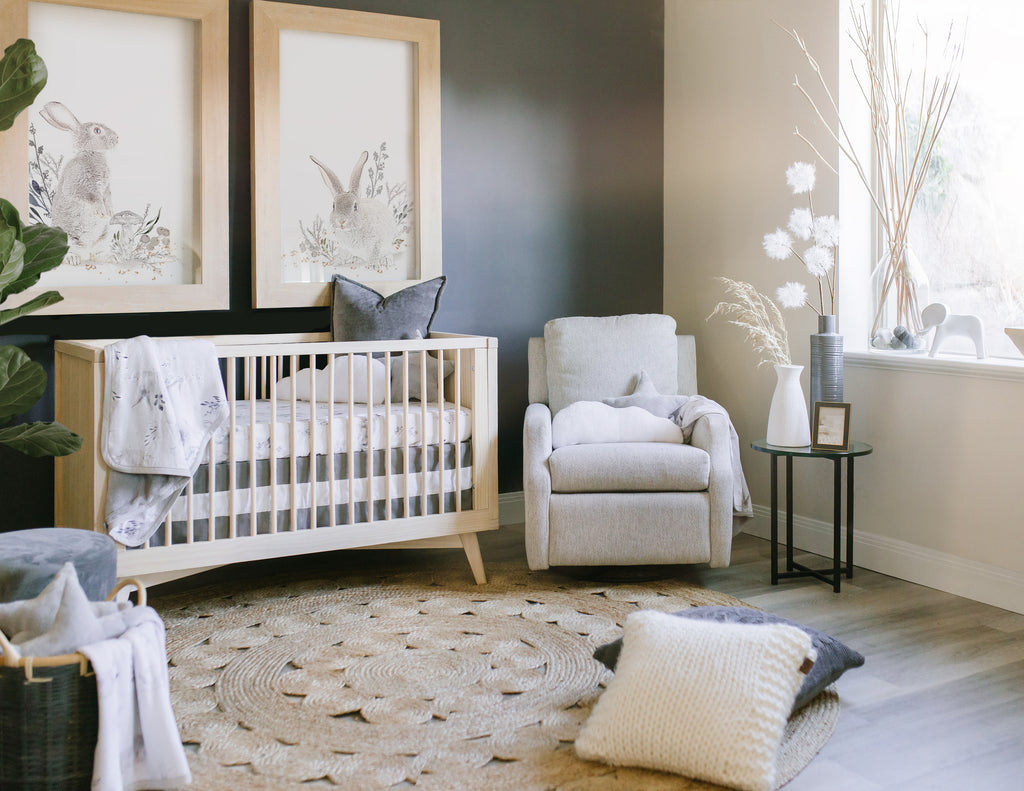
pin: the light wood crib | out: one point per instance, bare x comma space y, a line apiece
405, 473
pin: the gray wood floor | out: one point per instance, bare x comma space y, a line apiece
939, 703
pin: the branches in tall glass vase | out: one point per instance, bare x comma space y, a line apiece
905, 128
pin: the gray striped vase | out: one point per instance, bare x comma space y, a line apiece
826, 362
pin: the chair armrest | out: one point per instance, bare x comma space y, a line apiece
537, 482
711, 434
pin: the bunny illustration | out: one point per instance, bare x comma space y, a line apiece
81, 204
364, 227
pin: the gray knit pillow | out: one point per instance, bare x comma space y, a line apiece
834, 657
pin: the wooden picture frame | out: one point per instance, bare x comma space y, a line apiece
830, 428
328, 87
159, 240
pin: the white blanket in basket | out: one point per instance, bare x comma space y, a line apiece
163, 400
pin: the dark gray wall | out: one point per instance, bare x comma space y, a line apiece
551, 124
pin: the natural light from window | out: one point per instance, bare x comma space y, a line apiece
967, 227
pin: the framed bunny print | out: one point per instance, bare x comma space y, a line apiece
347, 151
126, 150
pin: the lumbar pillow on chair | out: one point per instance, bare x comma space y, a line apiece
586, 422
699, 698
834, 656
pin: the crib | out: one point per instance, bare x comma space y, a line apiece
287, 476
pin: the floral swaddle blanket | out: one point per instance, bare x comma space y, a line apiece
163, 400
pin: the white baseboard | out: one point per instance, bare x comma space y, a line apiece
931, 568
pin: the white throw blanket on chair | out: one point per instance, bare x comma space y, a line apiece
696, 407
163, 400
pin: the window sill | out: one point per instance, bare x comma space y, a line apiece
996, 368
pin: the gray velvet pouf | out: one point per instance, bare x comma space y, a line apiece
30, 558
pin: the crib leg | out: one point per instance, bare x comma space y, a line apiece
476, 562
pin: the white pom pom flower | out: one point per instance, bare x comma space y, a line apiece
801, 223
826, 231
818, 260
800, 176
791, 295
778, 245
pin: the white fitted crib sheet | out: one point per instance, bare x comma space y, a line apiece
390, 426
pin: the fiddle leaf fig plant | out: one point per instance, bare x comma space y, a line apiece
25, 253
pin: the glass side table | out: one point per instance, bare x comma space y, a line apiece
794, 569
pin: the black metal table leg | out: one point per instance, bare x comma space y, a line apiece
775, 520
849, 518
789, 513
837, 523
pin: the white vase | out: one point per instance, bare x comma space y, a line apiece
788, 425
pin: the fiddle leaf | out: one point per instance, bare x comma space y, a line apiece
22, 77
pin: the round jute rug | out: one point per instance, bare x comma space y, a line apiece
415, 679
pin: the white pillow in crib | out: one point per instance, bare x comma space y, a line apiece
415, 377
378, 374
586, 422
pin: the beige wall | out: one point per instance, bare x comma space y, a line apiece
941, 501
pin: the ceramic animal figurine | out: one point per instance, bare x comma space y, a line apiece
364, 227
948, 324
81, 204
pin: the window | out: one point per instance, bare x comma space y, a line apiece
967, 227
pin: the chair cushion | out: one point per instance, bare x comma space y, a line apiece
629, 467
595, 357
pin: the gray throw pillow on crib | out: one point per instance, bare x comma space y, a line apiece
358, 313
834, 656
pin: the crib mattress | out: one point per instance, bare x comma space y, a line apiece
364, 428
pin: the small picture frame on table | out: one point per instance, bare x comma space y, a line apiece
830, 428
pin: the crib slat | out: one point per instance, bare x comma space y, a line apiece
189, 513
252, 447
456, 420
369, 444
424, 426
211, 477
293, 487
405, 434
332, 498
313, 401
272, 452
387, 437
440, 430
232, 482
350, 448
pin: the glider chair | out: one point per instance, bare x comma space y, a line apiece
622, 503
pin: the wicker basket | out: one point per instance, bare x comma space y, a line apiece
48, 717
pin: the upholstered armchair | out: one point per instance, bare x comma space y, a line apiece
622, 503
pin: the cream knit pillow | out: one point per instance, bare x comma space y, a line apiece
704, 699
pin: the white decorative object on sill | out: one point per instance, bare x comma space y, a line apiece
948, 325
788, 424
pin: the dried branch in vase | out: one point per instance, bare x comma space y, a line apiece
904, 134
